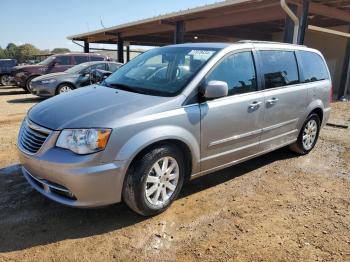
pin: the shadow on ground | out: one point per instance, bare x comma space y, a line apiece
8, 93
25, 100
24, 212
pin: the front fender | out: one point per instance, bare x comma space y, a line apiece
153, 135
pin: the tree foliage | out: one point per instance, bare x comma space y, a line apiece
25, 52
60, 50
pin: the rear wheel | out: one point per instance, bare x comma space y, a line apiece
154, 180
64, 88
308, 135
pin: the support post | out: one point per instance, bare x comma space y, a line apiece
86, 47
120, 49
289, 26
127, 53
179, 34
303, 22
345, 78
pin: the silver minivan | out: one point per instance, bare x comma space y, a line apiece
172, 114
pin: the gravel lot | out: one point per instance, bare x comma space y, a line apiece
276, 207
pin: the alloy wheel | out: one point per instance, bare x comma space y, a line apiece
309, 134
65, 89
161, 181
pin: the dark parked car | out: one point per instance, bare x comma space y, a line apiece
6, 67
78, 76
53, 64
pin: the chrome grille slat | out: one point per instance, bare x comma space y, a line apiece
35, 133
27, 144
31, 138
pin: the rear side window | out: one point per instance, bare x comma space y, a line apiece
279, 68
313, 67
80, 59
63, 60
238, 71
97, 58
99, 66
113, 67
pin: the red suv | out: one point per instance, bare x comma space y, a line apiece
53, 64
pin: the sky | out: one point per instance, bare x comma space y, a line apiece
47, 23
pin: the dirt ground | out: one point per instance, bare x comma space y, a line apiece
277, 207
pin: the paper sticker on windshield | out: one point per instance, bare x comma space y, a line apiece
201, 52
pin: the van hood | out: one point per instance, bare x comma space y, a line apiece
93, 106
28, 68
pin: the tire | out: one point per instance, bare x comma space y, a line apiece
142, 179
310, 129
4, 80
27, 84
64, 88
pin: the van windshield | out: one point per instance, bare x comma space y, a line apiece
161, 71
47, 61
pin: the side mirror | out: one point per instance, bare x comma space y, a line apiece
215, 89
53, 64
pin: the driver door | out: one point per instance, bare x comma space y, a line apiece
231, 126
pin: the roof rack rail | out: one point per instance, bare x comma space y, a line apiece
265, 42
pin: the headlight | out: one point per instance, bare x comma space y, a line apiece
49, 81
83, 141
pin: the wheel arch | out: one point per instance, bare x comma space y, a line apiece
185, 141
62, 83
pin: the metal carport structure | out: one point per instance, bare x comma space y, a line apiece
230, 21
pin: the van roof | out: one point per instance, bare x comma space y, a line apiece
224, 45
78, 54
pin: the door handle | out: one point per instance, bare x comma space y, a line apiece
272, 101
254, 105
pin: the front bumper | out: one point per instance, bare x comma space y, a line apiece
20, 78
44, 90
70, 179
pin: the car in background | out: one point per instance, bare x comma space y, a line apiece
53, 64
6, 67
78, 76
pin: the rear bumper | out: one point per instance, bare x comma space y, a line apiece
326, 114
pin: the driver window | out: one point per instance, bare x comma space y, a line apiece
63, 60
238, 71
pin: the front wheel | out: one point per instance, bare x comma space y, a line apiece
308, 135
28, 87
64, 88
154, 180
5, 80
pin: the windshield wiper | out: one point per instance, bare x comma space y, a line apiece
127, 88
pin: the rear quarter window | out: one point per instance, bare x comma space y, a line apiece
97, 58
313, 67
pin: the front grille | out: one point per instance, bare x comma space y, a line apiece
32, 136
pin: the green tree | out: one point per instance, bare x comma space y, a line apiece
11, 51
26, 52
59, 50
2, 53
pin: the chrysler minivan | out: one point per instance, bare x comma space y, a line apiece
172, 114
